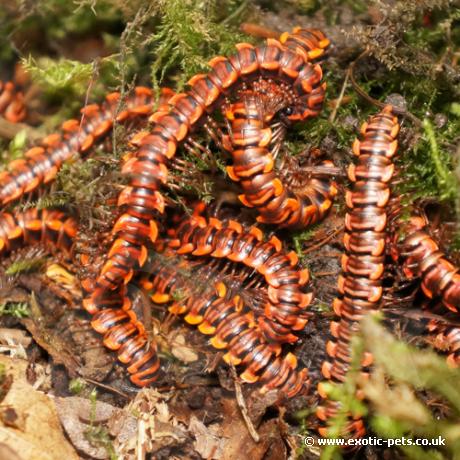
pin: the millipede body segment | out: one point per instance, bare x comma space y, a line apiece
360, 285
142, 200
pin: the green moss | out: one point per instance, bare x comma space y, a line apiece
15, 309
77, 386
59, 75
17, 146
25, 266
98, 435
189, 35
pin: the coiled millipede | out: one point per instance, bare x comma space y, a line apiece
288, 291
253, 164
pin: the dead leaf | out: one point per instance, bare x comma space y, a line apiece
54, 345
39, 436
208, 440
239, 443
181, 351
14, 337
76, 417
7, 453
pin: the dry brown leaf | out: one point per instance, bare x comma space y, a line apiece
7, 453
155, 427
208, 439
39, 434
54, 344
239, 443
76, 417
181, 351
14, 337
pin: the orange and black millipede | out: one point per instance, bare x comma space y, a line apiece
420, 257
254, 166
42, 162
288, 291
217, 305
12, 106
360, 285
147, 169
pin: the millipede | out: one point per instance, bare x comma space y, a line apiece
215, 302
288, 291
420, 257
12, 105
147, 168
249, 144
254, 166
42, 162
363, 264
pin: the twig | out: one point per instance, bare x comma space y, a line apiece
258, 31
340, 98
242, 405
324, 240
329, 273
106, 387
94, 74
364, 95
235, 14
8, 130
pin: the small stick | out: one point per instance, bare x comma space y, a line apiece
258, 31
324, 240
340, 98
106, 387
242, 405
330, 273
363, 94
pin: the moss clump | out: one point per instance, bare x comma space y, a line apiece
189, 34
